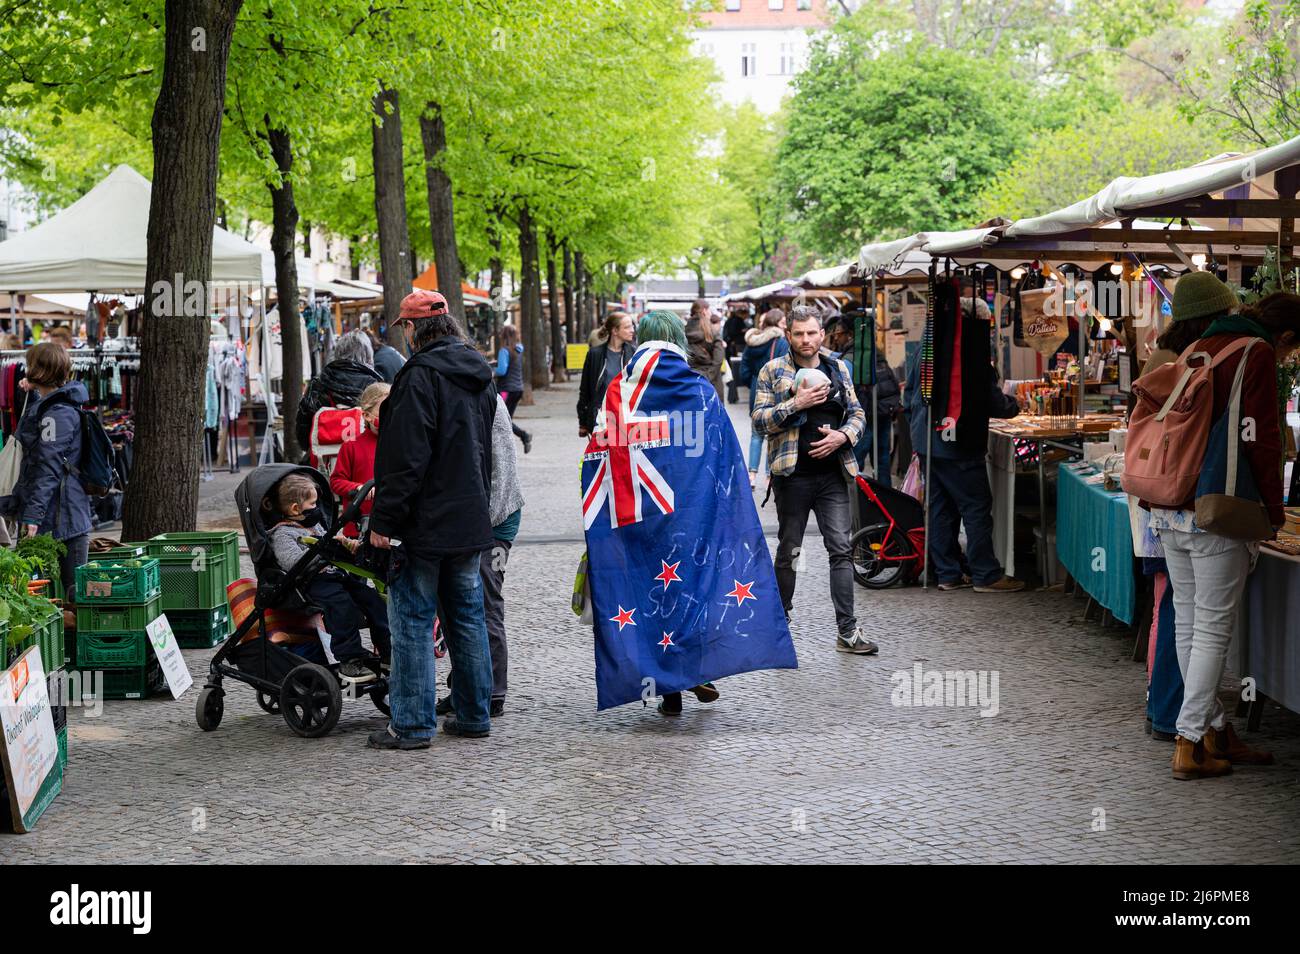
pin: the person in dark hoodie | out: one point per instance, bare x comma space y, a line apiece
764, 343
433, 475
49, 497
339, 384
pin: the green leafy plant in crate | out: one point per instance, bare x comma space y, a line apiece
22, 610
44, 552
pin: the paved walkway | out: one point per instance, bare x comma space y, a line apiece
812, 765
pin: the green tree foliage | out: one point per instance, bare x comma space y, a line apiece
889, 143
1065, 165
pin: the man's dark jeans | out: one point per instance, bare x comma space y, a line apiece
348, 602
827, 495
959, 493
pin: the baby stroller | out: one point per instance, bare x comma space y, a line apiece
888, 548
274, 648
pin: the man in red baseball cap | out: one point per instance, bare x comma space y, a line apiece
433, 473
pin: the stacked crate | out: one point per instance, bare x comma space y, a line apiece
116, 599
195, 570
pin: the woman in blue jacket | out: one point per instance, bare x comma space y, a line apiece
49, 497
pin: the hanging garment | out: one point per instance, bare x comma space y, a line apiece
211, 399
231, 381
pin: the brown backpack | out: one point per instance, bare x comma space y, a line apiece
1170, 426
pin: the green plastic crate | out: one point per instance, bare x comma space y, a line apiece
214, 541
49, 636
117, 617
112, 650
184, 587
125, 551
134, 683
200, 629
109, 581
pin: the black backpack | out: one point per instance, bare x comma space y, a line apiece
95, 465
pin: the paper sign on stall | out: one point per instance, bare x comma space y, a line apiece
169, 656
1043, 330
29, 747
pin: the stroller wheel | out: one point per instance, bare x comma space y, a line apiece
879, 563
209, 708
310, 700
268, 703
379, 696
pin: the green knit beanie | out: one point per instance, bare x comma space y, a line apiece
1200, 294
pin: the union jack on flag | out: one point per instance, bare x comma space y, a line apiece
625, 478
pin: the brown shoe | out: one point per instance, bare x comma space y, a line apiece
1007, 584
1191, 760
1225, 744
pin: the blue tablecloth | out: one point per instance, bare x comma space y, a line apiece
1088, 517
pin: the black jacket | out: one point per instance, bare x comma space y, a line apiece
433, 466
594, 383
339, 384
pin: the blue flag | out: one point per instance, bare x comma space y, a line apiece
682, 586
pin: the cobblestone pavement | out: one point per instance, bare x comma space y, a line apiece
811, 765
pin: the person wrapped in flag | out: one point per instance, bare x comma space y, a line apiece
682, 586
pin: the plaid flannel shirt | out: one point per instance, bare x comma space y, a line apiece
775, 417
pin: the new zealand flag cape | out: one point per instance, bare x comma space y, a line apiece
682, 586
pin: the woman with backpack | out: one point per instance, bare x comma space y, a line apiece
764, 343
1209, 557
509, 372
49, 496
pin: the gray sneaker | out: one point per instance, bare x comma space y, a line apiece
856, 643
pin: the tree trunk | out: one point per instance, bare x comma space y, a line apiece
163, 493
570, 319
699, 279
390, 203
580, 304
558, 364
497, 294
527, 292
442, 218
354, 260
306, 239
533, 331
284, 226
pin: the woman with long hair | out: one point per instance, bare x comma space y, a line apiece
510, 378
603, 364
1208, 569
705, 350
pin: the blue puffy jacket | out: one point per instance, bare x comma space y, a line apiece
49, 492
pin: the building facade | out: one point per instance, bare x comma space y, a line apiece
759, 46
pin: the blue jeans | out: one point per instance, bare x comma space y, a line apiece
421, 590
959, 493
756, 442
862, 451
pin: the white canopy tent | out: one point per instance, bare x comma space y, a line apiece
783, 287
99, 244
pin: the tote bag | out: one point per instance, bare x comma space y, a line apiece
11, 465
1227, 498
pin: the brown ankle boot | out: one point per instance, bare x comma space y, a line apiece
1224, 744
1193, 760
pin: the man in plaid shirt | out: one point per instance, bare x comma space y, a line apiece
811, 429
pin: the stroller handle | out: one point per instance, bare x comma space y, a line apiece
352, 512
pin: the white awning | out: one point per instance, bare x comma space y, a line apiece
1128, 196
835, 276
99, 244
784, 287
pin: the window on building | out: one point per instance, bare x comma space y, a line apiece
787, 60
748, 59
803, 4
733, 5
775, 4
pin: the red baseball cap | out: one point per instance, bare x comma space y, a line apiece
423, 304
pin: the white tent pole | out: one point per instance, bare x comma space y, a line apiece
875, 413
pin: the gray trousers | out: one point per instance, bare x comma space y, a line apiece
492, 569
492, 572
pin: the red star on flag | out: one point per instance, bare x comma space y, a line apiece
669, 574
741, 592
667, 641
624, 618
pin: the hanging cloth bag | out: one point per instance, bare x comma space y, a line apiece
11, 459
1227, 498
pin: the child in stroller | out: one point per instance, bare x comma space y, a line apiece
345, 599
276, 647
